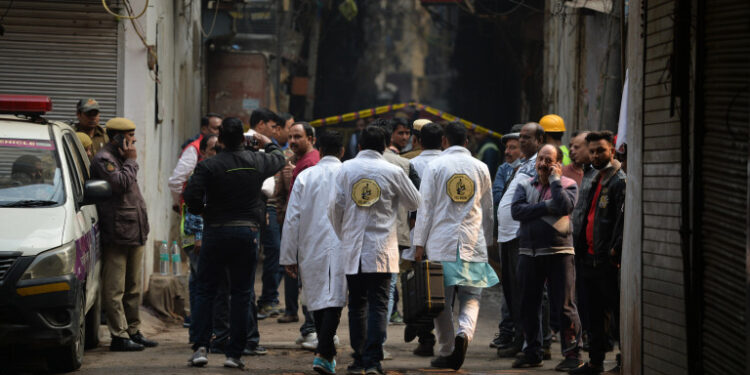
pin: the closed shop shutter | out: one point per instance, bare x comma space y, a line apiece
724, 185
66, 50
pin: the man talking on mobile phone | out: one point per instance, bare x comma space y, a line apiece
124, 228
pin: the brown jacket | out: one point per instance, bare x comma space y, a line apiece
123, 219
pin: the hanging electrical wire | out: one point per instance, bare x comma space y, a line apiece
213, 22
150, 49
130, 17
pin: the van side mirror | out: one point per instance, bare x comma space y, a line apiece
96, 191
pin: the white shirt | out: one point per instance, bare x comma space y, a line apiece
419, 163
368, 233
507, 228
308, 239
445, 222
181, 173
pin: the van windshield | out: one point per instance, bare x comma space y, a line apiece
30, 175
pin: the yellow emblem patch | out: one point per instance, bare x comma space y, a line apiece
110, 167
365, 192
460, 188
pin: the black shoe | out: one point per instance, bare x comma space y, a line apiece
569, 363
120, 344
410, 332
509, 352
527, 361
587, 369
138, 338
255, 350
441, 362
459, 351
355, 369
501, 341
424, 350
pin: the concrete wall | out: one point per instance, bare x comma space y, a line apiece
165, 112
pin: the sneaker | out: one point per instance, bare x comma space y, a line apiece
323, 367
255, 350
441, 362
375, 370
198, 359
396, 318
526, 361
386, 355
509, 352
459, 351
234, 363
310, 341
268, 311
424, 350
501, 341
355, 369
569, 363
587, 369
288, 318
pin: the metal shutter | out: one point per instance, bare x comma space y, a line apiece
64, 49
724, 166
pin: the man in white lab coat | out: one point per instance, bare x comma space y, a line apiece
309, 245
454, 227
362, 211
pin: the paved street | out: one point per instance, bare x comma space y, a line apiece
170, 357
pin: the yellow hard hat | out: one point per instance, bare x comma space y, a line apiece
552, 123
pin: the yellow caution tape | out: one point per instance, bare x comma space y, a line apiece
371, 112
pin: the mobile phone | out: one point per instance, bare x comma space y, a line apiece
120, 141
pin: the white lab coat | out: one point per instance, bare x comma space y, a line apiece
419, 163
444, 225
368, 234
308, 239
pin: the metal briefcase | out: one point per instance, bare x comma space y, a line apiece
423, 292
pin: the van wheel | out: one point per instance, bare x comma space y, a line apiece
70, 357
93, 322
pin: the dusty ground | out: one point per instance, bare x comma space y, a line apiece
170, 357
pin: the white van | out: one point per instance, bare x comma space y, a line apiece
49, 243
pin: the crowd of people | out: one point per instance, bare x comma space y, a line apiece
546, 224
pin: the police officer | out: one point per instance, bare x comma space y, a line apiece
124, 228
87, 111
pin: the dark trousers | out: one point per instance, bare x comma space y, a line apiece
220, 310
233, 249
603, 290
368, 307
559, 270
309, 325
582, 296
272, 272
291, 295
511, 290
326, 323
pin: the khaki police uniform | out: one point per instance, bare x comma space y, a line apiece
124, 228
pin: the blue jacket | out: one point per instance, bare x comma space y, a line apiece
543, 213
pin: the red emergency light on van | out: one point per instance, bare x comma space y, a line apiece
25, 104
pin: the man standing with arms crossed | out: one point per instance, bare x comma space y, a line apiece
454, 227
362, 211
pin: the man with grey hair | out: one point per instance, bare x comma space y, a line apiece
531, 138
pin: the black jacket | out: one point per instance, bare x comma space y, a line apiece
608, 219
229, 184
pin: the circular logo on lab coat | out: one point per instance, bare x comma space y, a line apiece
460, 188
365, 192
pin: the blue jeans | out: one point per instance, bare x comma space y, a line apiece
231, 250
368, 320
272, 271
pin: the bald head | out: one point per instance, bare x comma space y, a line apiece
579, 151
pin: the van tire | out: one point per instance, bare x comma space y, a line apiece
93, 322
70, 357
